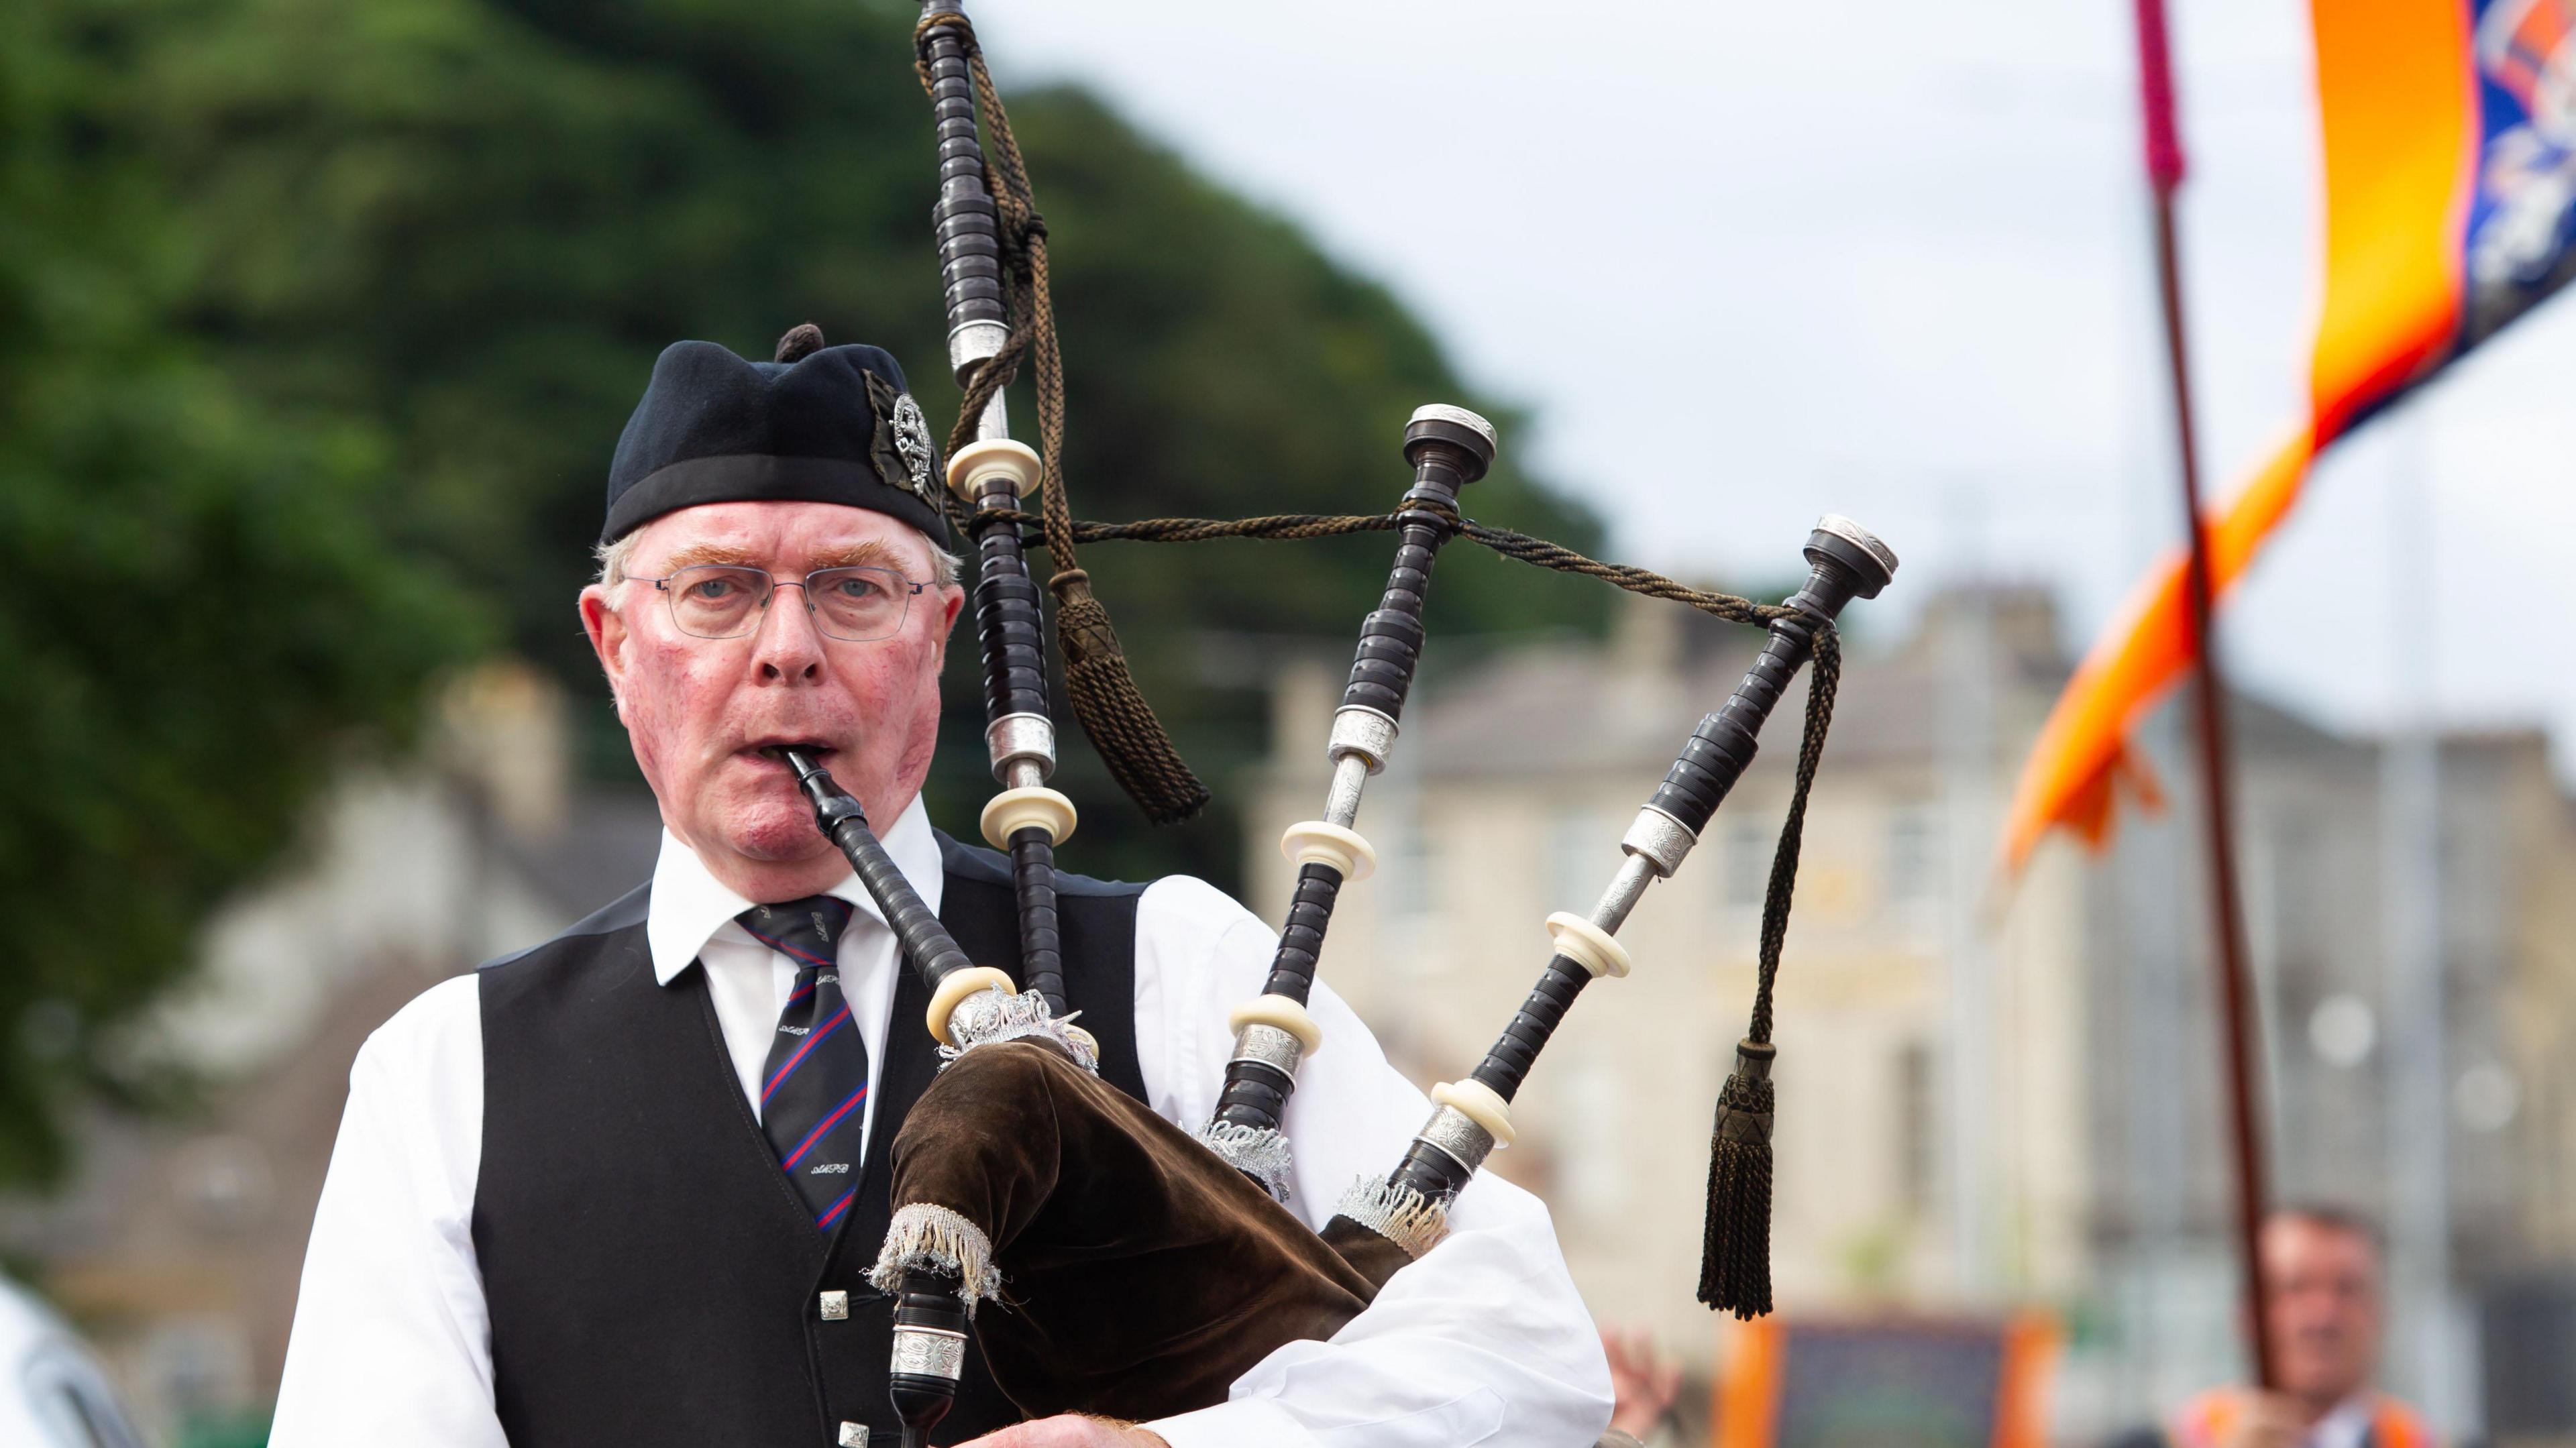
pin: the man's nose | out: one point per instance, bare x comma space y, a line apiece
788, 646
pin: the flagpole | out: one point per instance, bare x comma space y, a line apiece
2164, 176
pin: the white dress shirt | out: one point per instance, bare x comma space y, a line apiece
2347, 1426
1482, 1341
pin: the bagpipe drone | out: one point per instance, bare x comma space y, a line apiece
1019, 1162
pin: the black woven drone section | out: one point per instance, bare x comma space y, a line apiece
1097, 682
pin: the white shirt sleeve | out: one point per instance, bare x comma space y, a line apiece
1482, 1341
392, 1344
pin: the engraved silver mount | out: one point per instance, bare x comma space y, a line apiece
929, 1352
1017, 737
1268, 1046
1361, 730
972, 342
1659, 837
1456, 1136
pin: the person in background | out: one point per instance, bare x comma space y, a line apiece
1642, 1388
2324, 1312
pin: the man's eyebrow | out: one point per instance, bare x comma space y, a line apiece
698, 554
867, 553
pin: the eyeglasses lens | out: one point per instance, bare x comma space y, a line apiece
717, 602
856, 605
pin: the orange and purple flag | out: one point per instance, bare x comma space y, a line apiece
2449, 131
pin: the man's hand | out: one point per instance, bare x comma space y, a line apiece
1071, 1430
1643, 1388
2266, 1420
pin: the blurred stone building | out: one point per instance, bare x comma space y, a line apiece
179, 1244
1987, 1095
1988, 1098
1513, 781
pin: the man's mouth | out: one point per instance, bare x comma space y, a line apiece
774, 750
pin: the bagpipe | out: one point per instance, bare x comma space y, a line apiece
1019, 1163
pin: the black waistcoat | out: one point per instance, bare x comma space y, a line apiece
652, 1276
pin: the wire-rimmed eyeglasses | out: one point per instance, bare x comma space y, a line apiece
726, 600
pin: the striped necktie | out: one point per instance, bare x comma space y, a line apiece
814, 1089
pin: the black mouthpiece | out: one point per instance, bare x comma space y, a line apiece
832, 804
843, 820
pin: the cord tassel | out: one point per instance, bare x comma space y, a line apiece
1097, 682
1735, 1250
1104, 697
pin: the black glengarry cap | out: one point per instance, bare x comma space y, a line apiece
820, 425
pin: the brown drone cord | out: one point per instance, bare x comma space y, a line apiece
1098, 685
1101, 690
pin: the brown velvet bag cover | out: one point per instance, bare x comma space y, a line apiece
1141, 1275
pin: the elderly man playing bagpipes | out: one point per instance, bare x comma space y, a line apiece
624, 1188
838, 1129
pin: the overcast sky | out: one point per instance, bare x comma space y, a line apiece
1748, 263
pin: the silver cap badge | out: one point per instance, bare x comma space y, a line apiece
912, 439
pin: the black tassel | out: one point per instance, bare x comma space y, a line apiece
1735, 1250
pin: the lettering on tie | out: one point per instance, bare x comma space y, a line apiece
794, 1030
829, 1168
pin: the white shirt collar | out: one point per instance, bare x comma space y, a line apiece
2345, 1427
689, 905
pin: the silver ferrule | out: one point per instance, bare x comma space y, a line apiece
1660, 838
972, 342
1362, 731
1342, 801
995, 424
930, 1352
1626, 888
1455, 1135
1268, 1046
1018, 740
968, 344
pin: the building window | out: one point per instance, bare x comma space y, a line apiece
1749, 844
1582, 854
1410, 872
1913, 855
1914, 1127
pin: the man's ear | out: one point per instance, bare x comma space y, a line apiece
952, 601
607, 632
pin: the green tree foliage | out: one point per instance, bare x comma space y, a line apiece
202, 616
306, 305
474, 222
